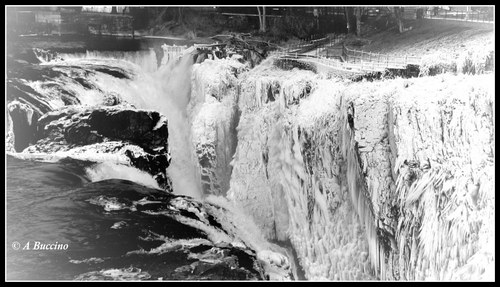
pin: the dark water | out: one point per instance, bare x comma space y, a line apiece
55, 202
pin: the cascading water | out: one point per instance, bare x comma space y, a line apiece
175, 83
146, 60
166, 89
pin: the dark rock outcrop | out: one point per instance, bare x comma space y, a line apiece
147, 129
139, 136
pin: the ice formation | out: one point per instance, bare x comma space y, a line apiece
390, 180
214, 114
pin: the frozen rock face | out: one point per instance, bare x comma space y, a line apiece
387, 180
214, 114
289, 174
135, 137
21, 126
442, 154
9, 134
252, 182
420, 156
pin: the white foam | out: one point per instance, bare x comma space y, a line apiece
171, 245
88, 260
109, 203
106, 170
122, 274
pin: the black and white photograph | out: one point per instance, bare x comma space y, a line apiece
273, 143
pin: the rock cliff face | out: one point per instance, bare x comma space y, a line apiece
390, 180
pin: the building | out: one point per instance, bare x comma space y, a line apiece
41, 20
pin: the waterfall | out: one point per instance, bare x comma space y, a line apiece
146, 59
175, 86
166, 89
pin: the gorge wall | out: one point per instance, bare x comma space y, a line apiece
388, 180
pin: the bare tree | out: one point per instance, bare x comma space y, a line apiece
348, 11
179, 19
359, 12
399, 18
160, 16
262, 19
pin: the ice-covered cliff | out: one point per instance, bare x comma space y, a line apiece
385, 180
214, 114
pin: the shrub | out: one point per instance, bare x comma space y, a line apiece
470, 62
474, 62
434, 65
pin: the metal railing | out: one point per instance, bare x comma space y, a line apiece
356, 56
172, 52
352, 60
471, 16
361, 66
